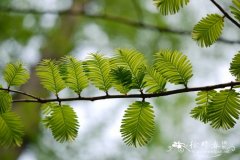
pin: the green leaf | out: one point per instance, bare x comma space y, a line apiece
5, 101
224, 109
138, 124
170, 6
48, 72
235, 66
98, 69
174, 66
208, 30
74, 77
11, 129
235, 9
154, 81
135, 62
63, 123
203, 100
47, 109
121, 79
15, 74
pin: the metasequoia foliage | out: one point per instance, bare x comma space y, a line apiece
127, 70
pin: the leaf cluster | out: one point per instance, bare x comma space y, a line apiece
127, 70
11, 128
209, 29
221, 109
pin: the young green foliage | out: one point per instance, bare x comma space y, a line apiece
137, 126
47, 109
74, 77
154, 81
224, 109
135, 62
121, 79
235, 9
170, 6
5, 101
15, 74
174, 66
235, 66
203, 101
11, 129
48, 72
98, 71
208, 30
63, 123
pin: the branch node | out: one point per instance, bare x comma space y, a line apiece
58, 99
79, 95
107, 93
143, 95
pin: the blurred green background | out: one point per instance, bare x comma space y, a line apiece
102, 26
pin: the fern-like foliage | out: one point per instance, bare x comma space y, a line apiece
138, 124
11, 129
62, 122
135, 62
48, 72
5, 101
47, 109
98, 71
235, 9
203, 101
170, 6
154, 81
174, 66
235, 66
121, 79
224, 109
74, 76
208, 30
15, 74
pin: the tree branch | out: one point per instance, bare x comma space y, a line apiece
225, 13
115, 19
142, 95
22, 93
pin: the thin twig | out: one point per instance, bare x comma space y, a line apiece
115, 19
22, 93
142, 95
225, 13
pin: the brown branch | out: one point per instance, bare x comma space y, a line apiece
142, 95
225, 13
115, 19
20, 92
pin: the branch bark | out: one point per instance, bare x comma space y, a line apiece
109, 96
